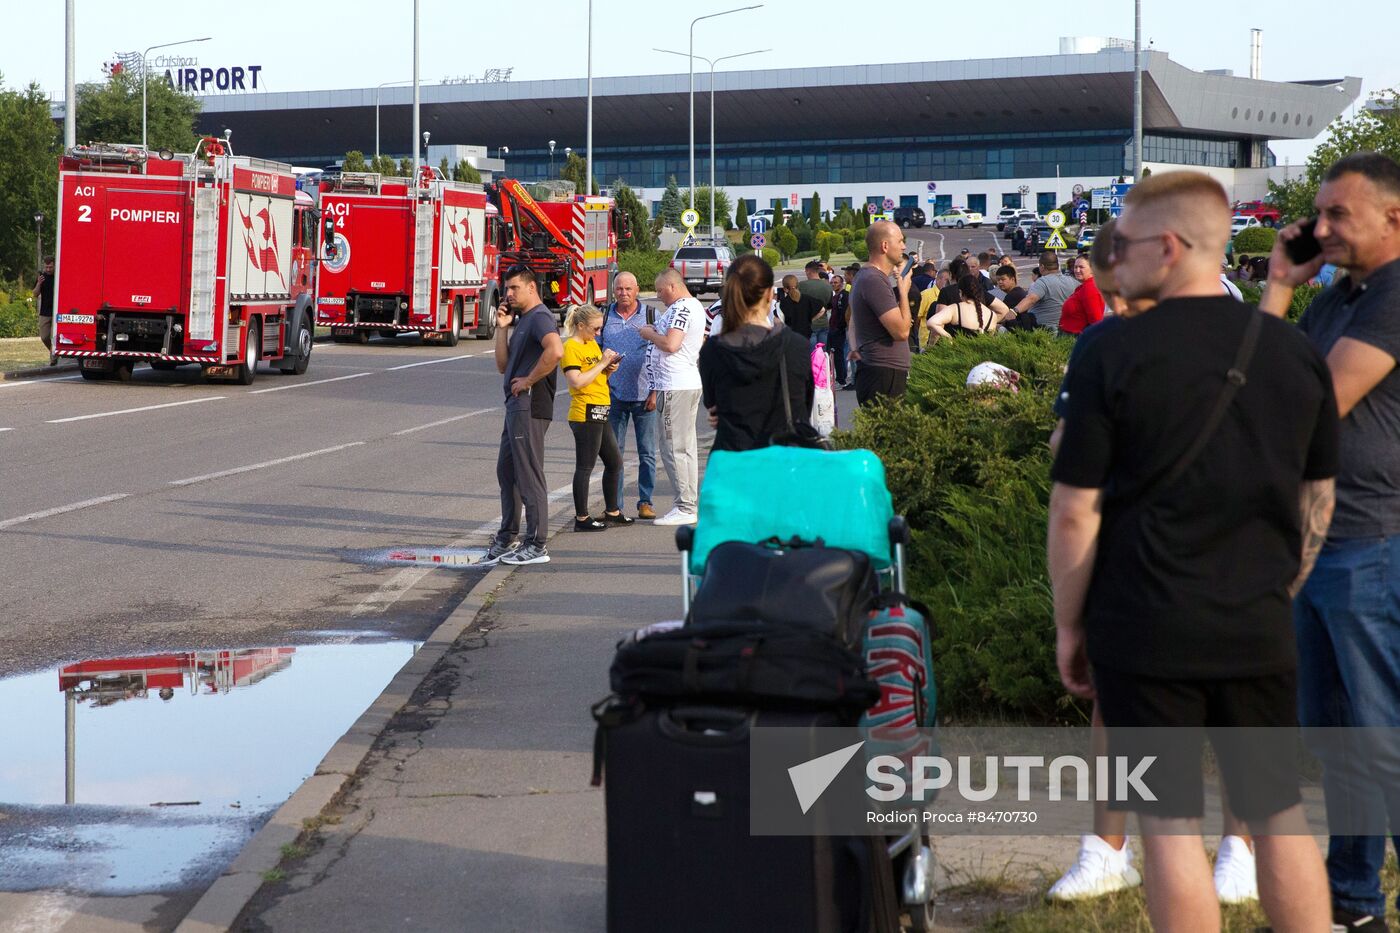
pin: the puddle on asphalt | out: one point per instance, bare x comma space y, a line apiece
144, 774
421, 556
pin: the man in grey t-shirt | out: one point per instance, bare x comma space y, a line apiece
880, 318
1047, 295
1347, 616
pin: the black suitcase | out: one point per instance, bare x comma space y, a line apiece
680, 855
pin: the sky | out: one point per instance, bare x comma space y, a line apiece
361, 43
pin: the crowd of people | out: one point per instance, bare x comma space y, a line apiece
1224, 511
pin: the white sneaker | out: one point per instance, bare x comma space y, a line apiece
1099, 869
676, 517
1235, 882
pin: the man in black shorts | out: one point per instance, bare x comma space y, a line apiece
1193, 488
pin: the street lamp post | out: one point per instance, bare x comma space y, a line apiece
588, 134
414, 176
712, 63
376, 110
692, 88
39, 242
502, 152
1137, 91
70, 93
144, 70
551, 158
426, 134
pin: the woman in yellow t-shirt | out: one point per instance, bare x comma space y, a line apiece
586, 369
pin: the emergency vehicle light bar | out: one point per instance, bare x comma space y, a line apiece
365, 181
100, 153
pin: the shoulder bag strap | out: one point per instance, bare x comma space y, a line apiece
1234, 381
783, 383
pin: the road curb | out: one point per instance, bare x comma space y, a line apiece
218, 909
222, 904
38, 371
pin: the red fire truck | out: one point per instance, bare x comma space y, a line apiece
110, 680
208, 258
427, 258
570, 242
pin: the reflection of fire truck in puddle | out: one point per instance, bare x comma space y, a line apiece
111, 680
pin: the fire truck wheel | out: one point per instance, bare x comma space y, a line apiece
95, 375
122, 371
248, 369
361, 337
454, 326
303, 348
164, 366
486, 317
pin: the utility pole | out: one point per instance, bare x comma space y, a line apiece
70, 93
1137, 91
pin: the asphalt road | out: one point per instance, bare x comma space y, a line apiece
168, 513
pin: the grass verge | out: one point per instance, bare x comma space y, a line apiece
22, 353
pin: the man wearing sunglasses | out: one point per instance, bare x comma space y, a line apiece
1192, 491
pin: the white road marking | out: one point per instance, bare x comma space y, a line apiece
314, 382
132, 411
86, 503
445, 359
397, 586
6, 429
12, 383
433, 424
259, 466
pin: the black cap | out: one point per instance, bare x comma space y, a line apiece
853, 267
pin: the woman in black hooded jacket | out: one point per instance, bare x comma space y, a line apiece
739, 368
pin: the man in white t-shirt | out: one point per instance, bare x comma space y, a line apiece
673, 365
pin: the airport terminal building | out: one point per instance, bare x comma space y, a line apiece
979, 134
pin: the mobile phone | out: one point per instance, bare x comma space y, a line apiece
909, 260
1304, 247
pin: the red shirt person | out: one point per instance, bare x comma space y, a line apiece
1085, 307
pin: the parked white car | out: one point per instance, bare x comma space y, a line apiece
1242, 222
957, 217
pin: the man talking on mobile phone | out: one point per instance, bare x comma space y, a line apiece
880, 315
1348, 615
43, 290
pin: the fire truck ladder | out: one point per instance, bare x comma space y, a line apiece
203, 262
423, 257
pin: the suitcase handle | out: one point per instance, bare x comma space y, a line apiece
687, 724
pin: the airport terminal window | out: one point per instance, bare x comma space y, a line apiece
977, 203
1011, 200
842, 202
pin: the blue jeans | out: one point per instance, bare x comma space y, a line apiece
644, 423
1348, 623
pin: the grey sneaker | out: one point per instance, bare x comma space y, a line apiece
527, 554
495, 552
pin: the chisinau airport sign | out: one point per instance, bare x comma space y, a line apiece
184, 72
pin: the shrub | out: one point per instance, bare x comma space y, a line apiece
771, 256
1302, 297
853, 236
1255, 240
18, 318
861, 250
646, 265
971, 472
828, 243
784, 240
803, 231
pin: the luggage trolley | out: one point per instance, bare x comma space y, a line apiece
746, 497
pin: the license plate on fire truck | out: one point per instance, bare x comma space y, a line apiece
94, 364
218, 370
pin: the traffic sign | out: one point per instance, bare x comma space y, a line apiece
1099, 201
1083, 218
1056, 241
689, 240
793, 199
757, 241
889, 204
871, 208
1055, 218
690, 218
1077, 191
758, 224
1115, 199
933, 186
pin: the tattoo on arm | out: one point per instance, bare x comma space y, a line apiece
1316, 499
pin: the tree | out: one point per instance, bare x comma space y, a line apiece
816, 216
1368, 131
777, 213
863, 216
384, 165
672, 204
802, 230
406, 167
638, 217
467, 172
702, 207
354, 162
110, 111
845, 218
785, 240
574, 169
445, 168
741, 214
28, 176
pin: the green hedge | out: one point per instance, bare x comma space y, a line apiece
646, 265
1302, 297
18, 319
1255, 240
971, 472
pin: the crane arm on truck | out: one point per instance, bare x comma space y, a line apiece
517, 202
